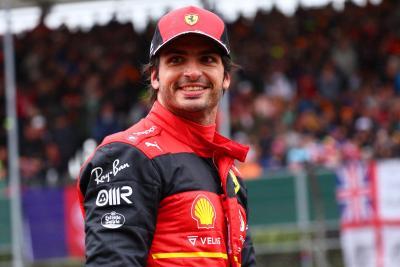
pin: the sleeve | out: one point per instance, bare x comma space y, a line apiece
248, 254
120, 190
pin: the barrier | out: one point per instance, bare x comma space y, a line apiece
272, 199
5, 224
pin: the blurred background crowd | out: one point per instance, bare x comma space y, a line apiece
321, 86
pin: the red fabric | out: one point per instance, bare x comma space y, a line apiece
232, 210
74, 224
207, 238
174, 23
203, 140
206, 142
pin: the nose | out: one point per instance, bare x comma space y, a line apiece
192, 71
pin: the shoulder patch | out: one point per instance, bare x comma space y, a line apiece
136, 135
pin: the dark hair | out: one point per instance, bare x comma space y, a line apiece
151, 94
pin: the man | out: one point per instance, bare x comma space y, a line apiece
165, 191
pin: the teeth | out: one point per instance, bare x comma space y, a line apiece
192, 88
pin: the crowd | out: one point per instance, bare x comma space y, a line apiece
322, 86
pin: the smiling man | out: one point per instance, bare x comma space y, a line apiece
190, 78
165, 192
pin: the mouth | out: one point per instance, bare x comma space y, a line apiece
193, 88
193, 91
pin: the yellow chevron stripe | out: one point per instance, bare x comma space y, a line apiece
169, 255
235, 181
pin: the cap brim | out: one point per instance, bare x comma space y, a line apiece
222, 45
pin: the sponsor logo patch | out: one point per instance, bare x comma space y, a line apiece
114, 196
134, 136
242, 223
154, 144
191, 19
205, 240
210, 240
100, 176
203, 212
112, 220
192, 239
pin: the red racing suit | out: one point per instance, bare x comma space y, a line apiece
165, 192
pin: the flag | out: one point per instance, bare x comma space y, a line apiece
44, 211
369, 197
52, 223
74, 226
354, 194
391, 246
359, 245
386, 177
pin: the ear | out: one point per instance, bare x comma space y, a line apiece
155, 83
227, 81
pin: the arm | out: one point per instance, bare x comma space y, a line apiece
120, 189
248, 255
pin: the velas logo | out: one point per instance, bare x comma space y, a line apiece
203, 212
191, 19
192, 239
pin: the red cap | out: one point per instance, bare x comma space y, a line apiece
186, 20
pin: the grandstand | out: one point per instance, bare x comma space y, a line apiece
319, 87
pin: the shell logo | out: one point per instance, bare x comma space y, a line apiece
203, 212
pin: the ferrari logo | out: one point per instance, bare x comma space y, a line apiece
191, 19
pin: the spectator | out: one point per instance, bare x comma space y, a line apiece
330, 76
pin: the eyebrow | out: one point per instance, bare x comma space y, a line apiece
178, 51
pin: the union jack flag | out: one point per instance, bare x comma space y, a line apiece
354, 193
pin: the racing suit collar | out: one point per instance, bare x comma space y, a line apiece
204, 140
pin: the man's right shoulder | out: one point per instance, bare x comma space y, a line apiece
125, 143
134, 135
120, 158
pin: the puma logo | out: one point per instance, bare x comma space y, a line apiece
154, 144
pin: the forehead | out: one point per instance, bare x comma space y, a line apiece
191, 43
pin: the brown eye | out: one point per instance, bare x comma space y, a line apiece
208, 59
175, 59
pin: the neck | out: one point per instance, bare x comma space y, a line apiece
201, 118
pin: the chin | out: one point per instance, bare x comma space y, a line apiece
195, 108
193, 105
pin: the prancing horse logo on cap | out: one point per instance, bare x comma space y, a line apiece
191, 19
